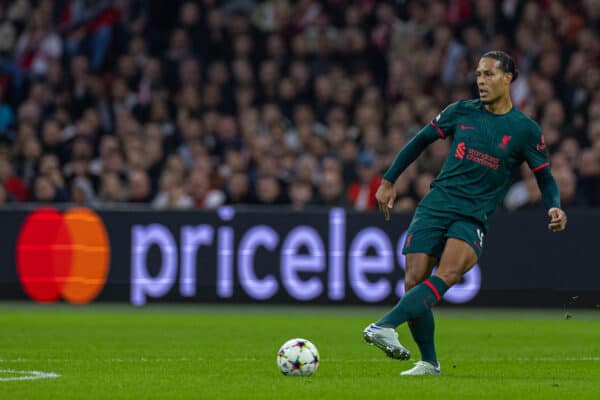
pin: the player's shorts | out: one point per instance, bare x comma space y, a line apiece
430, 229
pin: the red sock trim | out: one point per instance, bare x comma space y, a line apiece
433, 289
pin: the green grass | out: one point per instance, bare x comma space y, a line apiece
212, 352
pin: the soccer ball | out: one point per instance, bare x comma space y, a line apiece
298, 357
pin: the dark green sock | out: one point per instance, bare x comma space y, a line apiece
415, 302
422, 329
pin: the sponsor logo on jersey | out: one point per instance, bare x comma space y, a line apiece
477, 156
466, 127
460, 150
484, 159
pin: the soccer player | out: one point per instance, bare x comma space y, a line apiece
490, 140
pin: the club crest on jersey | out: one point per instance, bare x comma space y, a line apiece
505, 140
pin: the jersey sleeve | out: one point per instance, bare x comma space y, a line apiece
443, 124
440, 127
536, 155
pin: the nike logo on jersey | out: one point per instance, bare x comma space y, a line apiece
505, 140
466, 127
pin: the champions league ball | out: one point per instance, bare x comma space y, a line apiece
298, 357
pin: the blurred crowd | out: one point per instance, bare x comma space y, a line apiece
195, 104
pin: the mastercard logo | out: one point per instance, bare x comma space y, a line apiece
63, 255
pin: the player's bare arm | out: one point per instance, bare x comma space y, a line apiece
558, 219
386, 195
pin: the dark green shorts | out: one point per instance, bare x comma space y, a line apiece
430, 229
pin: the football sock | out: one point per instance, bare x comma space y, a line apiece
422, 329
415, 302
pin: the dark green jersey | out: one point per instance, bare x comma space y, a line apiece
487, 150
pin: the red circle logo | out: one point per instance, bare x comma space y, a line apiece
63, 255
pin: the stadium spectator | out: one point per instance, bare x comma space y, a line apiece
331, 191
300, 193
198, 186
361, 193
115, 89
140, 189
46, 192
111, 190
82, 193
4, 197
172, 193
38, 44
12, 184
268, 190
237, 189
588, 176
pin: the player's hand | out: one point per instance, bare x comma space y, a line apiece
558, 219
386, 195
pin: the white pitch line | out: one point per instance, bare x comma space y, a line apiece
25, 375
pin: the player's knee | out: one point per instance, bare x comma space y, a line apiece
410, 281
450, 277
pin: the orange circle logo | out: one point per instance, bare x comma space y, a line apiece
63, 255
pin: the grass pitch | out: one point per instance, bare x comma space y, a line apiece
226, 352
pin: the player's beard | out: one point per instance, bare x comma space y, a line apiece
490, 100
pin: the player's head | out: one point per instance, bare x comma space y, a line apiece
495, 72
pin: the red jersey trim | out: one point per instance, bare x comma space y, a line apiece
544, 165
440, 131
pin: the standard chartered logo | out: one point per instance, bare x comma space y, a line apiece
309, 263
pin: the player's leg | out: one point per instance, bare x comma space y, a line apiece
418, 268
424, 242
422, 328
462, 250
458, 258
415, 302
383, 334
463, 243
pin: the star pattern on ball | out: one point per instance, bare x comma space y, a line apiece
296, 365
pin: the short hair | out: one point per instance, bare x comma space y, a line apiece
506, 62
